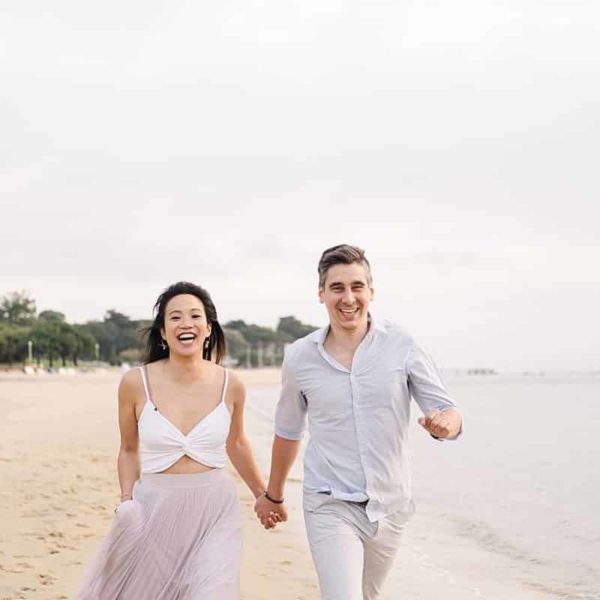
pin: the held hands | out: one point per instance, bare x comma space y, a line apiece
269, 513
442, 424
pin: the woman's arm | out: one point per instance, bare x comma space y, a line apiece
128, 462
238, 446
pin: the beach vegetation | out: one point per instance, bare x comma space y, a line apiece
47, 338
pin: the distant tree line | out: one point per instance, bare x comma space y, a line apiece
47, 338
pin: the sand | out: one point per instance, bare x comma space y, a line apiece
58, 488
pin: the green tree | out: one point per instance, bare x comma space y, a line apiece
237, 345
253, 333
67, 342
18, 308
13, 342
291, 329
117, 332
46, 340
85, 344
52, 315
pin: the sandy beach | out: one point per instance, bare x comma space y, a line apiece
58, 489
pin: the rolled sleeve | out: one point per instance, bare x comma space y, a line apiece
290, 414
425, 382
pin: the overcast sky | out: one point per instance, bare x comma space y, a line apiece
228, 143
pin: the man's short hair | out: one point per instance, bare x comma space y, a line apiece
342, 254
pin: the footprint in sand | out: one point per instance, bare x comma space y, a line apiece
56, 534
6, 569
45, 578
34, 513
66, 547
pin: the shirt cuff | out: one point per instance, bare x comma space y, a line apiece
289, 435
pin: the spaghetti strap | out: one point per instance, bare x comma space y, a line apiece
225, 380
145, 382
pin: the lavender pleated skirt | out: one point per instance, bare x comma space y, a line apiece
178, 539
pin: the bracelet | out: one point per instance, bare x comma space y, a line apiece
126, 497
266, 495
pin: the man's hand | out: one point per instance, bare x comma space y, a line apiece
442, 424
269, 513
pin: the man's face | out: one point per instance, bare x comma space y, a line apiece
346, 295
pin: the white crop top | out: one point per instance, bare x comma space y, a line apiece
162, 444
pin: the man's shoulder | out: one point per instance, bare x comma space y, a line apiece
303, 344
393, 330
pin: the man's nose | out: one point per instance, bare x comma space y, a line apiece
348, 296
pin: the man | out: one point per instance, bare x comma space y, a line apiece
353, 381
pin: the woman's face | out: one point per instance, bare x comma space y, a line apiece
186, 326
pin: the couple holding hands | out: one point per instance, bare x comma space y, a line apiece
177, 531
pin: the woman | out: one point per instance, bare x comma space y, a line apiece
176, 533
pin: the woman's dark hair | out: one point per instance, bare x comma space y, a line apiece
153, 343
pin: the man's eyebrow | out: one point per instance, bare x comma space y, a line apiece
341, 283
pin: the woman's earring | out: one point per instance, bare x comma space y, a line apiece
207, 342
162, 344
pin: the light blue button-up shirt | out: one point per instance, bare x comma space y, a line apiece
358, 419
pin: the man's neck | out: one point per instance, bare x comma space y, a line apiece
347, 339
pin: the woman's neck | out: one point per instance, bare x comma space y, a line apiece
187, 368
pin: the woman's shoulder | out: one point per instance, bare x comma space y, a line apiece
131, 378
234, 382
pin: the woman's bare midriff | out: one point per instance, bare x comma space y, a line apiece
186, 465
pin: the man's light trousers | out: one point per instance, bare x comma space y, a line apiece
352, 555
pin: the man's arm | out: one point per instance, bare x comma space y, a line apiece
441, 417
290, 423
